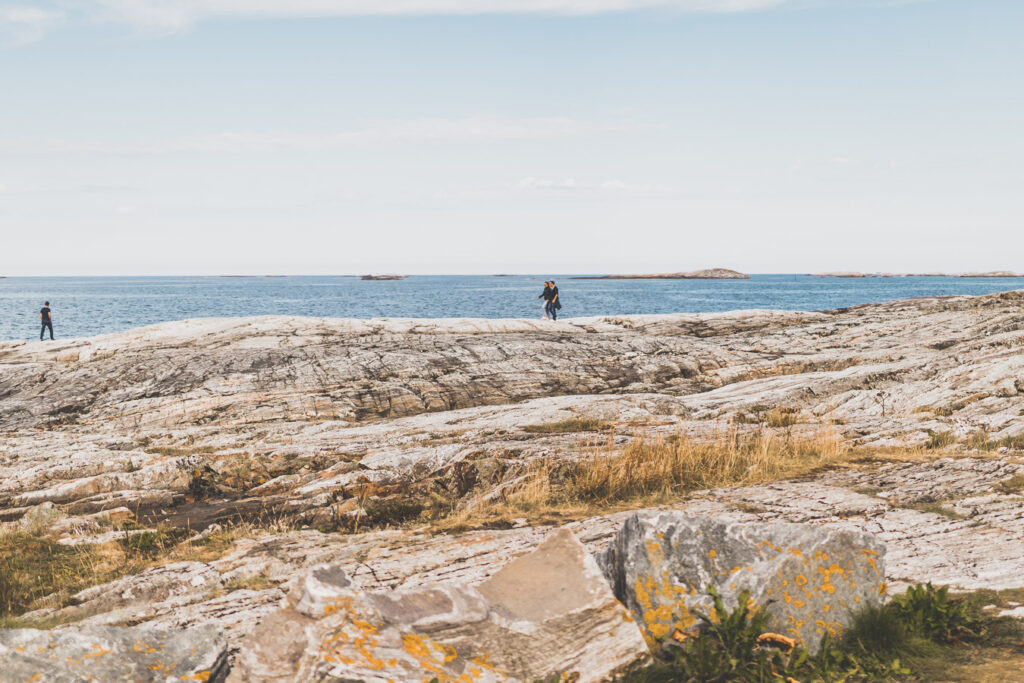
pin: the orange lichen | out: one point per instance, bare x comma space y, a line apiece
198, 676
99, 652
776, 640
869, 556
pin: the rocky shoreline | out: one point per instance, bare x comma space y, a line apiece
323, 423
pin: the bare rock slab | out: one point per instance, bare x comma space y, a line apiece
106, 653
546, 612
810, 578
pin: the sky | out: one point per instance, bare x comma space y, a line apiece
159, 137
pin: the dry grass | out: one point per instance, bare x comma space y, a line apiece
36, 571
652, 471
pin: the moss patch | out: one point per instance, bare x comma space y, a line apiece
567, 426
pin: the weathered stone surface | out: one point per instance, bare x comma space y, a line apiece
810, 578
301, 415
548, 611
312, 421
101, 653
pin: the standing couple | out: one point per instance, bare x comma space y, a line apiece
551, 302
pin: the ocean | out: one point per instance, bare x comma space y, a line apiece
85, 306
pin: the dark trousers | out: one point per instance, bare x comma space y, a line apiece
47, 325
551, 310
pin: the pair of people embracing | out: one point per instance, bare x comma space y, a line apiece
551, 302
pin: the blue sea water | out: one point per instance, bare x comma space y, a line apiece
85, 306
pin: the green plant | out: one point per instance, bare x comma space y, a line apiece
876, 630
921, 627
726, 649
930, 612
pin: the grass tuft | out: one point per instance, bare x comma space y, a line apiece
652, 471
939, 440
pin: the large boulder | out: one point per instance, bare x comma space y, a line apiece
106, 653
810, 578
550, 611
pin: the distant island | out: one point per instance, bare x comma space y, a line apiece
995, 273
384, 277
707, 274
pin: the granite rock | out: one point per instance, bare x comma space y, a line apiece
101, 653
811, 579
548, 611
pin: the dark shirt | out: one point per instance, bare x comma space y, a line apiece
45, 313
547, 295
554, 293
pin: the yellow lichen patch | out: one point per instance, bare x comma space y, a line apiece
869, 556
99, 652
663, 606
794, 626
712, 554
776, 640
200, 676
834, 628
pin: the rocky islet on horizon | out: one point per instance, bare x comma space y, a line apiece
329, 416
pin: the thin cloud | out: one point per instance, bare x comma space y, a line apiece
177, 13
20, 24
466, 130
572, 185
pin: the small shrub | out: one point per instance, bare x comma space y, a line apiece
392, 511
874, 629
930, 612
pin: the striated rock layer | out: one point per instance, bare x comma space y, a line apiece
323, 423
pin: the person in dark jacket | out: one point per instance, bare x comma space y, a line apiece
46, 317
553, 303
546, 295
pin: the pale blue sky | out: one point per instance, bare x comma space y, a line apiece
348, 136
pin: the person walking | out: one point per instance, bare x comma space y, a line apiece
47, 319
553, 303
546, 295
